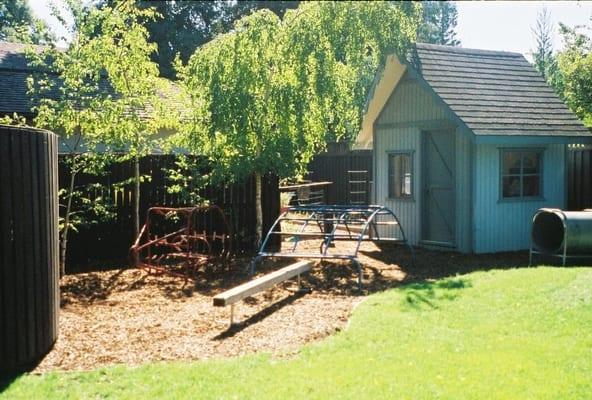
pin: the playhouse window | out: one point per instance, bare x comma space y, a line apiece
400, 175
521, 173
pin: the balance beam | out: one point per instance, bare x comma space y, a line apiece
230, 297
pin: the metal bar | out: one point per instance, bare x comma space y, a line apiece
302, 230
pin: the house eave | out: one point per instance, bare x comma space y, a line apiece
532, 139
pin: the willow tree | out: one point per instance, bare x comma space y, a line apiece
267, 95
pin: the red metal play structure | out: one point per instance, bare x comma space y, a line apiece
178, 241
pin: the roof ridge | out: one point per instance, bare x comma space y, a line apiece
468, 51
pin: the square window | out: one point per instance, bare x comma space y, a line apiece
521, 173
400, 176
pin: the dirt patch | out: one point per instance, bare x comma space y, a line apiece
127, 316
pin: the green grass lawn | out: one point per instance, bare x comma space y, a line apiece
523, 333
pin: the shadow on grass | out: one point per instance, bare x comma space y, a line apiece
420, 295
6, 379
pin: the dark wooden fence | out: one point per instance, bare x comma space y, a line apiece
579, 178
29, 291
345, 170
112, 240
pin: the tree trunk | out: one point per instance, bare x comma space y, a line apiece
136, 215
258, 211
64, 238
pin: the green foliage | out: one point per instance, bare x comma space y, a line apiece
267, 96
186, 25
186, 180
17, 24
514, 334
14, 119
575, 72
439, 19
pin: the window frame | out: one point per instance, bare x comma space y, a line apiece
540, 151
392, 153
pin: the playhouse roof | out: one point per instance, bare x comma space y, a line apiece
493, 93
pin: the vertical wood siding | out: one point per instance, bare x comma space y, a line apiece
579, 178
334, 166
29, 287
410, 110
505, 225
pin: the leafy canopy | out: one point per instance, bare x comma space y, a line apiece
266, 96
186, 25
574, 63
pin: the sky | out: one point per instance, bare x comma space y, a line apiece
491, 25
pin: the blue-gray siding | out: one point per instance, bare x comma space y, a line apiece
502, 225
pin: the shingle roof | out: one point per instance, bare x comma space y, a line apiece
14, 71
495, 92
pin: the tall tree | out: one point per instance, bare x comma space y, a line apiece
265, 95
544, 61
186, 25
17, 23
439, 19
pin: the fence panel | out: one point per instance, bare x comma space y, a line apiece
110, 241
579, 178
334, 166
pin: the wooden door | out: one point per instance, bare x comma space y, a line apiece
439, 214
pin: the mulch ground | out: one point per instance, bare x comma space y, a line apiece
128, 316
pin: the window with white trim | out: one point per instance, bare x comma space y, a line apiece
521, 173
400, 175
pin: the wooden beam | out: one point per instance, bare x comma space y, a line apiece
303, 185
265, 282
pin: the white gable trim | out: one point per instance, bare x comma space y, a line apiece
380, 93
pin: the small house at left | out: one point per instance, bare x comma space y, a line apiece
467, 145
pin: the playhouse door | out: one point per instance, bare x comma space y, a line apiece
438, 227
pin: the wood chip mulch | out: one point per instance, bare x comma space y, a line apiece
128, 316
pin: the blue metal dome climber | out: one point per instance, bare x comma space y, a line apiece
328, 224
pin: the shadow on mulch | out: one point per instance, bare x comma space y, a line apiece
430, 264
261, 315
332, 278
